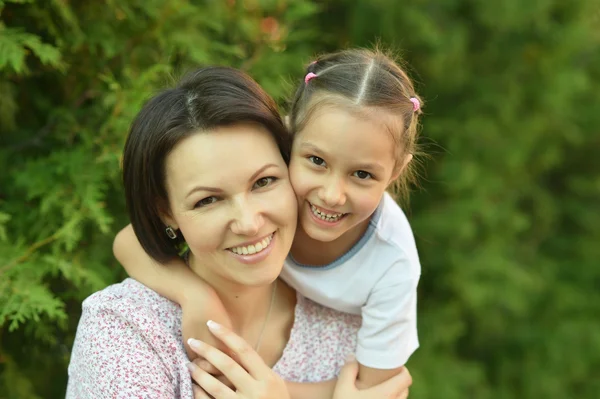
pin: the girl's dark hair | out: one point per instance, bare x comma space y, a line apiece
363, 80
206, 99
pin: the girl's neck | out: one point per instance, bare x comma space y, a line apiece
309, 251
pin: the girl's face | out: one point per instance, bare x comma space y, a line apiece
230, 195
340, 167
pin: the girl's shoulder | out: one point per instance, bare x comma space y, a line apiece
392, 226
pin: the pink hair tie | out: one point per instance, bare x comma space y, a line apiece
416, 103
309, 76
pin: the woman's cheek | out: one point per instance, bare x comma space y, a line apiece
201, 233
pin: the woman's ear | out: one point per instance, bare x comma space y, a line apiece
402, 167
167, 218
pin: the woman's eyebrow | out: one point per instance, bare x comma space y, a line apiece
218, 190
203, 188
260, 170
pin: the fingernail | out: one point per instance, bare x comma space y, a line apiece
350, 357
194, 343
192, 367
213, 325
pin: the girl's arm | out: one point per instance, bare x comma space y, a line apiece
175, 281
312, 390
388, 335
252, 378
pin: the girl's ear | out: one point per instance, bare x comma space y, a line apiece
402, 167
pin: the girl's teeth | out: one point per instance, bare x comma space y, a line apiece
254, 248
325, 216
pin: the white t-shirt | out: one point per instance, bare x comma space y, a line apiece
377, 278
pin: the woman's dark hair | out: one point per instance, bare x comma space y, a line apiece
362, 80
206, 99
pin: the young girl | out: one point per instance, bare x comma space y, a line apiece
354, 119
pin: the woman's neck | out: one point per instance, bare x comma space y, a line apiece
309, 251
246, 306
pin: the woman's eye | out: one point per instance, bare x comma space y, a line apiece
264, 182
206, 201
316, 160
361, 174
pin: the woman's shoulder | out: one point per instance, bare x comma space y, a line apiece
320, 340
135, 334
310, 314
136, 305
130, 294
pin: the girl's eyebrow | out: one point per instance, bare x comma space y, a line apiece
367, 165
371, 166
311, 147
218, 190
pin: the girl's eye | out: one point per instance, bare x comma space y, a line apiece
206, 201
317, 161
361, 174
264, 182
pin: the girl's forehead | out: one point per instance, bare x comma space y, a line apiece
340, 133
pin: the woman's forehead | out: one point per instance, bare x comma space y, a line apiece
221, 156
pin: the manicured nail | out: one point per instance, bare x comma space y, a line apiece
192, 367
194, 343
213, 325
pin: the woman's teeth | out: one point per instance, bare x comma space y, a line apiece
253, 248
325, 216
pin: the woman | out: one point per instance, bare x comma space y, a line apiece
208, 159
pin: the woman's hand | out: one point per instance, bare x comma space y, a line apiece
250, 376
394, 388
200, 303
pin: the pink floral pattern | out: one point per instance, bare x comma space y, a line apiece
129, 345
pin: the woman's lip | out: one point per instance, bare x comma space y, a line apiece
245, 244
257, 257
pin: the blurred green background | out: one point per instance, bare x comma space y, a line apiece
507, 219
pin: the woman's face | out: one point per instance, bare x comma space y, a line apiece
230, 195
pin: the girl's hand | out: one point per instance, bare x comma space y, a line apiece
258, 382
394, 388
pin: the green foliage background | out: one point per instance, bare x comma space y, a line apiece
507, 221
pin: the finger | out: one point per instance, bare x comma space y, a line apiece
246, 355
210, 384
206, 366
349, 372
199, 392
403, 395
394, 386
225, 364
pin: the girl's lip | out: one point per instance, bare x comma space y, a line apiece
325, 210
257, 257
322, 222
